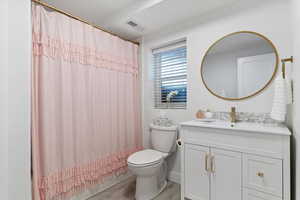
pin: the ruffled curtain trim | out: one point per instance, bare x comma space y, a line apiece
73, 180
44, 45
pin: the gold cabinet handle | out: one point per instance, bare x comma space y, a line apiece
212, 164
260, 174
206, 162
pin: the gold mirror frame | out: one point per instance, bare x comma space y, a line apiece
259, 91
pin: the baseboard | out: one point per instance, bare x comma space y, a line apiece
174, 176
110, 184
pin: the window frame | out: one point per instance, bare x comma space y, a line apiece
176, 48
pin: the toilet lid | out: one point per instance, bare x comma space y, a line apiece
145, 157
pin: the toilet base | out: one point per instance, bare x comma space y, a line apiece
148, 190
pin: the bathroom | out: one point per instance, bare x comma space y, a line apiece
152, 27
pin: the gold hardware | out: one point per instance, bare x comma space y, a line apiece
212, 164
233, 115
79, 19
291, 59
260, 174
206, 162
259, 91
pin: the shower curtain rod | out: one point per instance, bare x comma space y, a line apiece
79, 19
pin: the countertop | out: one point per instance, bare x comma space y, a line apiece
241, 126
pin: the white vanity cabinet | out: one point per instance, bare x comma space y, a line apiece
207, 171
248, 161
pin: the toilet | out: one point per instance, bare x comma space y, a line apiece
150, 165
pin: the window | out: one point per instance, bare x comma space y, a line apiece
170, 76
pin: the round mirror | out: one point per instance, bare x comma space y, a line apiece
239, 65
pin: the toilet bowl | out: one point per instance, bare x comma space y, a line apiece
150, 166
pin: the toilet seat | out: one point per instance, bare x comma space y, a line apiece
145, 158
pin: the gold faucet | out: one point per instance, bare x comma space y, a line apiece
233, 115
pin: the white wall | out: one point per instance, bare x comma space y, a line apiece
271, 19
19, 65
3, 100
296, 68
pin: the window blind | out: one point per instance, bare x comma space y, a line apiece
170, 76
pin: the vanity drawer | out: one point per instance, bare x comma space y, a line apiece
263, 174
255, 195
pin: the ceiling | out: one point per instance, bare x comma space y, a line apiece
150, 15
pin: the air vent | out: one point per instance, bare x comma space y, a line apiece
133, 24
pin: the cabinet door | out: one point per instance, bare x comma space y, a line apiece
196, 181
226, 176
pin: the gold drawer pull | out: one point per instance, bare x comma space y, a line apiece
260, 174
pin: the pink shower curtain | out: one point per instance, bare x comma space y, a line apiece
85, 105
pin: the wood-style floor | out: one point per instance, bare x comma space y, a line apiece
126, 191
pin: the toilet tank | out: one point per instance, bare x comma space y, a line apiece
163, 139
